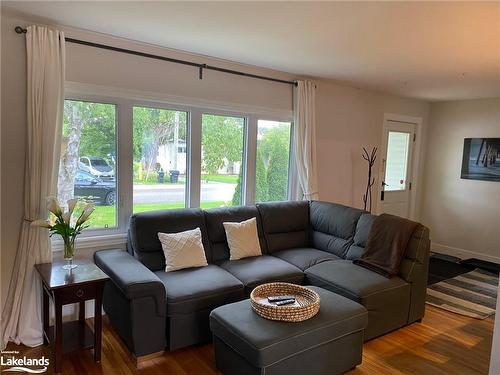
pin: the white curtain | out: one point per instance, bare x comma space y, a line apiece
21, 315
305, 141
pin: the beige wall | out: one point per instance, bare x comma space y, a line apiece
347, 118
13, 134
463, 215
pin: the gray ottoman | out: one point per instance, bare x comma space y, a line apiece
329, 343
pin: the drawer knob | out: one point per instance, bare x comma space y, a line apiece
79, 293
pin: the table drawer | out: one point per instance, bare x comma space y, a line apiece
77, 293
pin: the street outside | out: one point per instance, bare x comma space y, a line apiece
171, 193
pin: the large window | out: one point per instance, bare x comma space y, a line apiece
87, 166
160, 159
221, 160
272, 161
129, 156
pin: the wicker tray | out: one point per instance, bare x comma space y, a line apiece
305, 307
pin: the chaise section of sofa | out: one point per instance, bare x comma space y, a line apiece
391, 303
387, 300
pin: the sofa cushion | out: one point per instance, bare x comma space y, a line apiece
333, 226
387, 300
254, 271
194, 289
304, 257
215, 218
285, 224
145, 226
363, 228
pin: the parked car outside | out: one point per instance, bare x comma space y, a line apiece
90, 187
97, 166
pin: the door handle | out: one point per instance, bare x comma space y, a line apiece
382, 191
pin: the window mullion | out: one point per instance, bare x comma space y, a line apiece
251, 147
292, 170
194, 165
125, 163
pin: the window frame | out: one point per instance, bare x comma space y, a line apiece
125, 101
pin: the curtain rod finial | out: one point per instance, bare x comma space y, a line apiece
20, 30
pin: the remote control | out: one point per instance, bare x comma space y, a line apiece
285, 302
279, 298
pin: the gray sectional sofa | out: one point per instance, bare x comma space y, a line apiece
310, 243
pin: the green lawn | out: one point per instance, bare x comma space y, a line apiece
106, 215
154, 181
227, 178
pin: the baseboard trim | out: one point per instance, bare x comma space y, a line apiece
462, 253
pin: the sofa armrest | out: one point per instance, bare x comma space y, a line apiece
131, 277
415, 270
415, 263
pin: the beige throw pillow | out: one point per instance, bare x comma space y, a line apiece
243, 239
183, 250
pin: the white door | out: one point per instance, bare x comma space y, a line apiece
396, 168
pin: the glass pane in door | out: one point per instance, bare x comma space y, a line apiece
396, 166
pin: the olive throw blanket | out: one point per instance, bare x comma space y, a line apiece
386, 245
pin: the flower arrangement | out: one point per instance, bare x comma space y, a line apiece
67, 224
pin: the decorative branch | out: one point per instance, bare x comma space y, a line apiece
367, 196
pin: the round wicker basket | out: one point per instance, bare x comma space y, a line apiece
306, 302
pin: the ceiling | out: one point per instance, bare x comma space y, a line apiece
431, 50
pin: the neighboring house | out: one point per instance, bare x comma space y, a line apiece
171, 157
230, 168
174, 158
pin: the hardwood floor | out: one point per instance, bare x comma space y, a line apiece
444, 343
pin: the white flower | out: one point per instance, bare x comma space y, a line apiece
53, 206
71, 205
67, 217
87, 211
40, 223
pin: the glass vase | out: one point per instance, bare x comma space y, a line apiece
69, 253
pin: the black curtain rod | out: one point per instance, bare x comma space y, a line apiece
21, 30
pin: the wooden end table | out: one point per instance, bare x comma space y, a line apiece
85, 282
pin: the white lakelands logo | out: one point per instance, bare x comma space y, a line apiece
23, 364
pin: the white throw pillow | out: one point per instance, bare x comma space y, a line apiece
183, 250
243, 239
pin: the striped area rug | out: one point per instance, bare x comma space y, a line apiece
472, 294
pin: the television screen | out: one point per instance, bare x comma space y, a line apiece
481, 159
